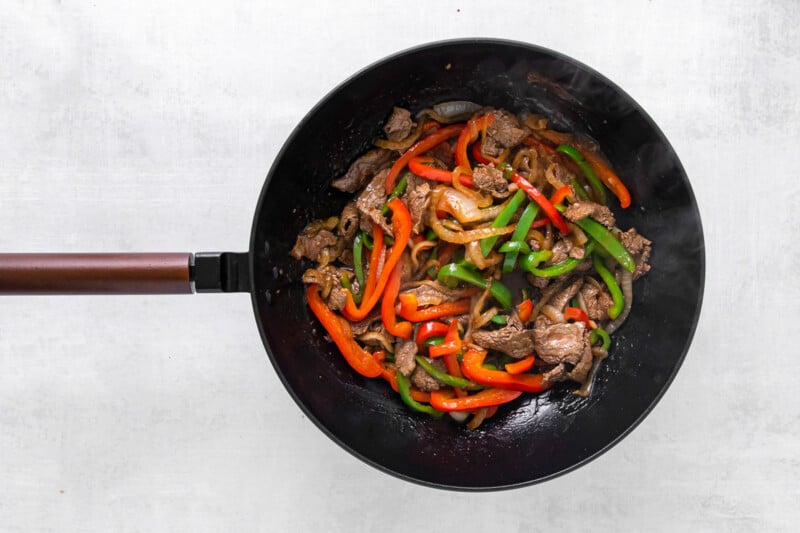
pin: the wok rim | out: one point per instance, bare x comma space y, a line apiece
489, 42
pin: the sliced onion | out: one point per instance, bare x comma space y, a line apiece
457, 110
588, 383
417, 248
378, 336
458, 204
483, 200
459, 237
556, 316
547, 294
626, 284
459, 416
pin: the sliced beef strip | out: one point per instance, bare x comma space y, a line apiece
504, 132
424, 381
329, 278
371, 200
511, 339
581, 369
434, 293
362, 169
585, 208
561, 343
598, 301
365, 325
640, 248
399, 125
348, 222
490, 180
322, 246
560, 251
417, 200
404, 355
562, 298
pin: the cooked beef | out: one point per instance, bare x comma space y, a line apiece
362, 169
562, 298
639, 247
365, 325
329, 279
404, 355
417, 200
434, 293
399, 125
337, 298
577, 252
582, 368
489, 179
598, 301
348, 222
560, 251
557, 373
560, 343
424, 381
535, 122
511, 339
371, 200
504, 132
322, 246
585, 208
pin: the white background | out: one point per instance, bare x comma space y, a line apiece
151, 128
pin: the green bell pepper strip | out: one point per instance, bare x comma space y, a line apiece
613, 288
399, 189
444, 377
607, 240
499, 319
358, 249
523, 225
405, 394
588, 171
567, 265
347, 285
451, 272
436, 340
600, 333
431, 235
532, 260
515, 246
579, 190
503, 218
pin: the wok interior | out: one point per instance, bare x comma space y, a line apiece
535, 437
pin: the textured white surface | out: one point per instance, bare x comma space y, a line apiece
120, 128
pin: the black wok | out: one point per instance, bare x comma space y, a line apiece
531, 440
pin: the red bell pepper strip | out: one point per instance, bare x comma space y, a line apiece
524, 310
576, 314
542, 222
452, 343
446, 400
560, 194
469, 135
339, 330
523, 365
478, 156
420, 147
431, 125
600, 168
409, 311
418, 165
472, 367
398, 329
430, 329
401, 223
534, 142
542, 200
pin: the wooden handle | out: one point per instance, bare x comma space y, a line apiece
45, 273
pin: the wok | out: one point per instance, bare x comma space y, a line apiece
530, 440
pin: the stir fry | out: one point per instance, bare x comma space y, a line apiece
477, 261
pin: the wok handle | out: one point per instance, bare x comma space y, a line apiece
125, 273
